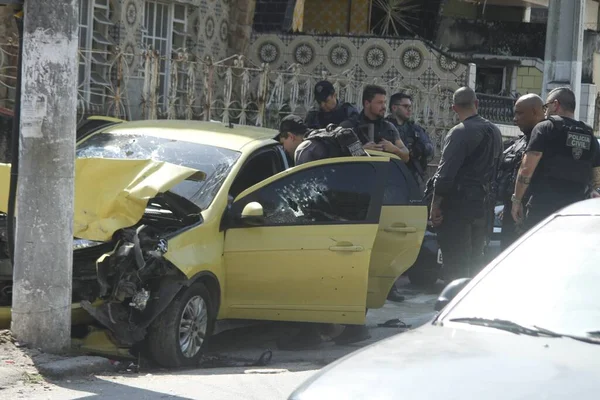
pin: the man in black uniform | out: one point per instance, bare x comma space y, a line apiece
462, 187
414, 137
528, 113
561, 162
371, 122
305, 145
328, 109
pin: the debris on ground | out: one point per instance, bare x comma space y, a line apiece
6, 337
394, 323
20, 364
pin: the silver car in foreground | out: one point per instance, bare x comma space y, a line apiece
526, 327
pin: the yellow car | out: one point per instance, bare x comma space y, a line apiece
179, 224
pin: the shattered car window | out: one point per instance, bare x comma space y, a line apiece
333, 193
215, 162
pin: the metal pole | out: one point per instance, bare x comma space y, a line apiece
41, 309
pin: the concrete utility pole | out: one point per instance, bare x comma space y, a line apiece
41, 311
564, 47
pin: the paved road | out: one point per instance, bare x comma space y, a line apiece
233, 349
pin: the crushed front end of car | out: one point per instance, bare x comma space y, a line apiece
125, 215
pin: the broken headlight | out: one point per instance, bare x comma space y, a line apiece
84, 244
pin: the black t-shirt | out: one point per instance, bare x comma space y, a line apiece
550, 142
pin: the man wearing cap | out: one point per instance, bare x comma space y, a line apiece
292, 132
328, 110
306, 145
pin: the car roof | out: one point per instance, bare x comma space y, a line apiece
585, 207
233, 137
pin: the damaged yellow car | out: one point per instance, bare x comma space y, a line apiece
179, 224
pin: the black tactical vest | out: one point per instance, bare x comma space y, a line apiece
509, 167
341, 141
574, 161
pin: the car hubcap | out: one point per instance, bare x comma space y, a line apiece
192, 328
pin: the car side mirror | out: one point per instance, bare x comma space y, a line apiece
253, 214
450, 292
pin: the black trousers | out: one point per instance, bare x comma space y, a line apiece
461, 237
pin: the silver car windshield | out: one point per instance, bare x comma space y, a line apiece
551, 280
215, 162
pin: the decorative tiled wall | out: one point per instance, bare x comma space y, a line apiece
207, 35
207, 26
410, 61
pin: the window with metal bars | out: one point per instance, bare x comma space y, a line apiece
94, 42
166, 31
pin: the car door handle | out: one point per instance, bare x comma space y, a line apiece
347, 248
401, 229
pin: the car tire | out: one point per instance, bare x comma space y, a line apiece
423, 277
167, 345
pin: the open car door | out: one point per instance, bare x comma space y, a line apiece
402, 225
298, 245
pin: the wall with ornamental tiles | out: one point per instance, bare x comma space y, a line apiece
412, 62
207, 34
398, 64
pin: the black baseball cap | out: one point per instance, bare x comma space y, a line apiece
293, 124
323, 90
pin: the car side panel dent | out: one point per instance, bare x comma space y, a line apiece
198, 252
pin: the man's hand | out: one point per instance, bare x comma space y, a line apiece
436, 216
373, 146
517, 212
389, 147
595, 194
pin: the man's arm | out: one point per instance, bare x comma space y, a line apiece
397, 147
453, 156
528, 166
454, 153
540, 136
596, 182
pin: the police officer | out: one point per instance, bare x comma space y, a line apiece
371, 122
462, 185
306, 145
528, 113
562, 160
328, 110
414, 137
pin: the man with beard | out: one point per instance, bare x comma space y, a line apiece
328, 109
372, 129
414, 137
529, 111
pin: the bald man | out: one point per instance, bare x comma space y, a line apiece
462, 185
529, 111
561, 163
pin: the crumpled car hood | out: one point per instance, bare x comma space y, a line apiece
111, 194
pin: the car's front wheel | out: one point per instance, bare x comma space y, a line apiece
178, 336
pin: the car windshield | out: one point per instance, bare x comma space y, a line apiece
551, 280
215, 162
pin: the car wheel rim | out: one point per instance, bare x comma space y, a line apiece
192, 327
